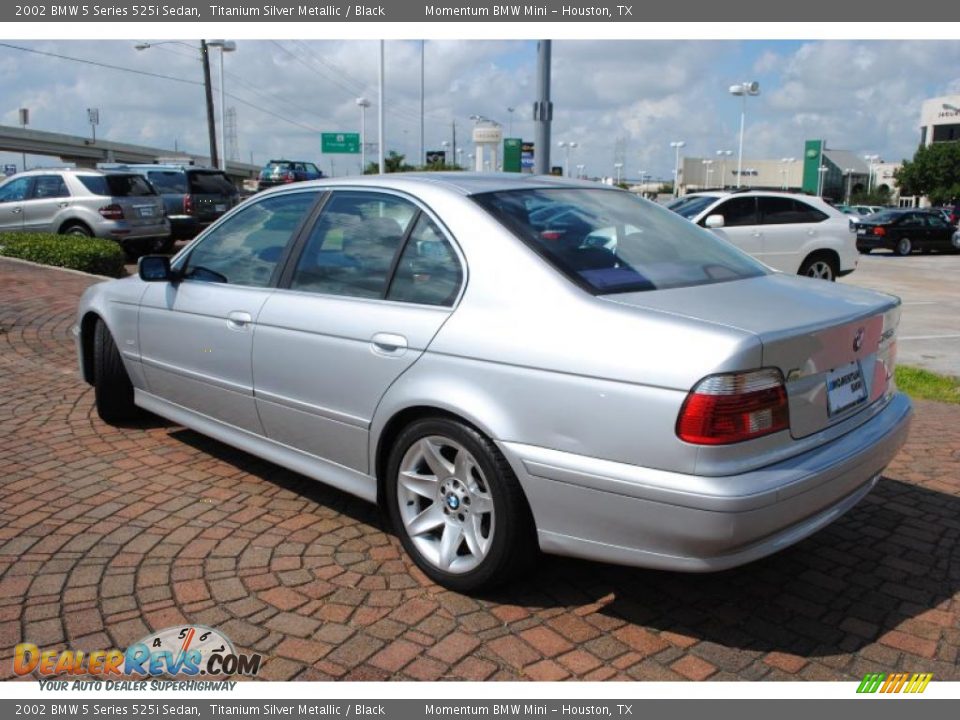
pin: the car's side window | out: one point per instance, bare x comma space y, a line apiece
429, 272
778, 211
738, 212
935, 222
352, 247
49, 186
15, 190
911, 220
246, 248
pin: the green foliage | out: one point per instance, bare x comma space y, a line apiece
925, 385
92, 255
877, 196
394, 162
934, 172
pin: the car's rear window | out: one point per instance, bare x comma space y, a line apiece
171, 182
610, 241
117, 185
210, 183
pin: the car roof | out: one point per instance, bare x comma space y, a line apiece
168, 166
462, 183
75, 171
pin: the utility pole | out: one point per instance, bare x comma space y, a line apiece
453, 150
211, 124
542, 111
380, 131
423, 154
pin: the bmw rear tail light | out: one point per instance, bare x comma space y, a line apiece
731, 408
188, 204
112, 212
289, 177
879, 231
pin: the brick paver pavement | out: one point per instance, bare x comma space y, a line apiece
106, 534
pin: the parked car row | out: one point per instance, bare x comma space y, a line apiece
906, 230
144, 208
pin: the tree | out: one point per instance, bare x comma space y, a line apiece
393, 162
877, 196
934, 172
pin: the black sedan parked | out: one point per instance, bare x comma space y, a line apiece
904, 231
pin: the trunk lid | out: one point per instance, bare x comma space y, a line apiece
834, 344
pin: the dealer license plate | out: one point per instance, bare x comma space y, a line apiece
145, 211
845, 387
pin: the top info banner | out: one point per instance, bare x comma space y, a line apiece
625, 11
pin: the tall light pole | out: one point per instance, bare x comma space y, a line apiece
423, 152
676, 145
24, 121
744, 90
849, 173
363, 104
821, 172
785, 163
723, 155
93, 117
225, 47
510, 121
618, 166
445, 144
568, 146
542, 111
380, 113
871, 159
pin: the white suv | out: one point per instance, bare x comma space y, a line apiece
796, 234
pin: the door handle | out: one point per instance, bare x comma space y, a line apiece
239, 319
16, 210
63, 204
388, 344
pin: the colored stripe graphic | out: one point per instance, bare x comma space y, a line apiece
895, 683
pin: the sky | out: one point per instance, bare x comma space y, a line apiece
618, 100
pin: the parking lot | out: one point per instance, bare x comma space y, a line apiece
927, 285
107, 534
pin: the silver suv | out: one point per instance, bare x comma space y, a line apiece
120, 206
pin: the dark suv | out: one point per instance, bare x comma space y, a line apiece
279, 172
193, 196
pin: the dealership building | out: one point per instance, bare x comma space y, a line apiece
820, 170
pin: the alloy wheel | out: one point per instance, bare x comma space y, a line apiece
821, 270
445, 504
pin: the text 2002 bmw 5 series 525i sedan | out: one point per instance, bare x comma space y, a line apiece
511, 363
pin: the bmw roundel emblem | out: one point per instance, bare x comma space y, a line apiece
453, 502
858, 340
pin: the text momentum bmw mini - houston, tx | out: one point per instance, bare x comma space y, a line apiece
510, 363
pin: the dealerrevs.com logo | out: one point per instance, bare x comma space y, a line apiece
191, 650
895, 683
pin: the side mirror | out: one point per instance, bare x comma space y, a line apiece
714, 221
155, 268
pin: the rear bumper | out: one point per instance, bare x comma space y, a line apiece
630, 515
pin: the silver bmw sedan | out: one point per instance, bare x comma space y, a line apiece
512, 364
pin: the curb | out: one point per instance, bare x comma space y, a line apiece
55, 267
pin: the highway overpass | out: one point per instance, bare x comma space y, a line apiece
85, 152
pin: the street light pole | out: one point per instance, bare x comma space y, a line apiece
619, 167
723, 155
380, 129
363, 104
24, 121
676, 145
870, 159
743, 90
821, 172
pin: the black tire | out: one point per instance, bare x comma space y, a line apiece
955, 242
820, 266
903, 247
512, 543
112, 387
864, 251
162, 246
77, 230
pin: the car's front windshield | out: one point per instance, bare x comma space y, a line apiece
610, 241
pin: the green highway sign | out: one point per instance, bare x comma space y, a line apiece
347, 143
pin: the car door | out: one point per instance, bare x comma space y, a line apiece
48, 198
13, 195
939, 232
911, 226
196, 335
791, 230
374, 282
741, 225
